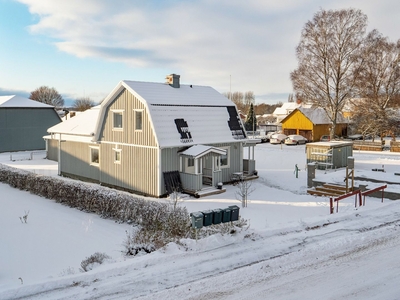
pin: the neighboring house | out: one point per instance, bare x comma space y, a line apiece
312, 123
23, 123
145, 137
282, 112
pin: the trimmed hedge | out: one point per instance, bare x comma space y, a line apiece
106, 202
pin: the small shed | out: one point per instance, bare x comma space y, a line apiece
23, 123
329, 155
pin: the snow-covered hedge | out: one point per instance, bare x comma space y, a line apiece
106, 202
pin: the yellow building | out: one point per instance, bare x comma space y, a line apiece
312, 123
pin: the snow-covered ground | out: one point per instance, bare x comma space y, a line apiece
293, 248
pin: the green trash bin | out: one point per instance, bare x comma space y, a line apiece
226, 215
197, 219
234, 212
217, 216
208, 217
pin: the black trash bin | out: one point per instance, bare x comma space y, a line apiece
208, 217
234, 212
217, 217
226, 215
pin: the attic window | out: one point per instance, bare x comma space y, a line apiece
138, 120
117, 120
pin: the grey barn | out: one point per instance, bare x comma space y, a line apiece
23, 123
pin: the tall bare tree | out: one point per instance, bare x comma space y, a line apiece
241, 100
249, 98
328, 54
82, 104
379, 78
47, 95
378, 84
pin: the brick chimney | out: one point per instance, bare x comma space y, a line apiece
173, 80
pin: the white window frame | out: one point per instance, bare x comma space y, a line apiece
135, 119
190, 169
228, 157
117, 152
92, 163
118, 112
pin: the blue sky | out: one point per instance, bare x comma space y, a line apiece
84, 48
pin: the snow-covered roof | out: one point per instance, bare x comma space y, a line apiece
287, 108
21, 102
201, 150
184, 116
187, 115
331, 144
319, 116
82, 124
164, 94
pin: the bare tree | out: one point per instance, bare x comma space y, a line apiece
82, 104
241, 100
249, 98
328, 54
244, 189
47, 95
378, 81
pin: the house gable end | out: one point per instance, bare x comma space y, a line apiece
297, 119
120, 123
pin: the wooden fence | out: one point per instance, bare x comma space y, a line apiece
368, 146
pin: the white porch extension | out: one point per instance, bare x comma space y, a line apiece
200, 170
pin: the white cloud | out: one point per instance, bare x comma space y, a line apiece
247, 44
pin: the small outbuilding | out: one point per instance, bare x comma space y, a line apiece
329, 155
23, 123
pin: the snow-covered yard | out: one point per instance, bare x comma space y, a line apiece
293, 248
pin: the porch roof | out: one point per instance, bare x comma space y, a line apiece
197, 151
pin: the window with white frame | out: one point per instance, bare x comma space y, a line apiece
225, 158
117, 156
138, 119
94, 156
190, 162
117, 120
190, 167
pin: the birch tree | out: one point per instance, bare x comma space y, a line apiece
378, 83
328, 56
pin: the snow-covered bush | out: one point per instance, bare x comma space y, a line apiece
93, 260
169, 225
141, 241
161, 221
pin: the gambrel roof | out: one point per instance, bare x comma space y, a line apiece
184, 116
188, 115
